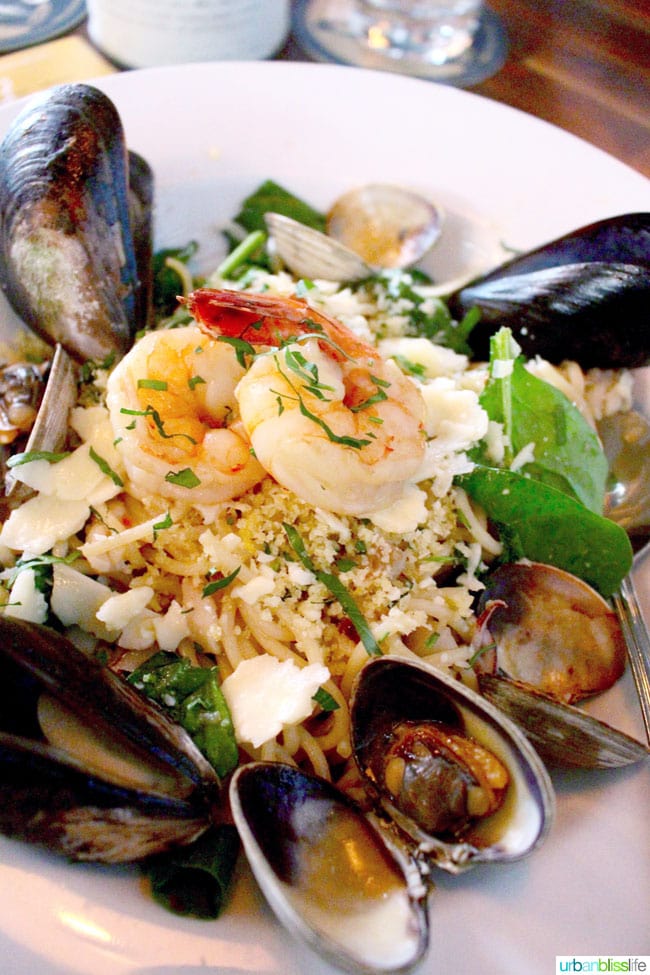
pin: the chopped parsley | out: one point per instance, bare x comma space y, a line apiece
185, 478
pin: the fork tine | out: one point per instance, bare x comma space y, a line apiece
637, 639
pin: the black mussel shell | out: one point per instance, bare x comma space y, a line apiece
583, 297
141, 202
67, 257
65, 799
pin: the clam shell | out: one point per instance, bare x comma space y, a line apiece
326, 871
562, 734
310, 254
390, 690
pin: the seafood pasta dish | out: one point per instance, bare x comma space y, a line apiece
280, 480
219, 459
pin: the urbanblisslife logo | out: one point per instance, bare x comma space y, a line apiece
601, 963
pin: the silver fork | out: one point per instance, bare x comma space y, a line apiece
637, 639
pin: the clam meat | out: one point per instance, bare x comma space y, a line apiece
550, 640
451, 771
21, 388
369, 228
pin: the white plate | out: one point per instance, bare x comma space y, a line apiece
213, 133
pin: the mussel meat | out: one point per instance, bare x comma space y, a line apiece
451, 771
583, 296
552, 641
88, 767
67, 257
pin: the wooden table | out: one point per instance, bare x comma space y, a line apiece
583, 65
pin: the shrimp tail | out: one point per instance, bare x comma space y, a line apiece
265, 319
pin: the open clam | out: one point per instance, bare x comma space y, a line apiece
369, 228
87, 766
552, 641
451, 800
563, 300
67, 257
353, 885
327, 871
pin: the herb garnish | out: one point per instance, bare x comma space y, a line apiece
28, 456
338, 590
106, 468
185, 478
158, 422
221, 583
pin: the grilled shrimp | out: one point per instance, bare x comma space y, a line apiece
175, 417
328, 418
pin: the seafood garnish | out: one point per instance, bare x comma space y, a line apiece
50, 427
563, 735
328, 873
173, 409
483, 797
88, 767
552, 641
21, 387
324, 389
552, 631
389, 226
67, 259
368, 229
568, 298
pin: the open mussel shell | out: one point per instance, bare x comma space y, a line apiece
563, 735
583, 296
89, 767
390, 691
327, 872
67, 258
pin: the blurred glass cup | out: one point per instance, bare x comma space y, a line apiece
454, 41
144, 33
437, 30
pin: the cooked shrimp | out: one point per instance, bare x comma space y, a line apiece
328, 418
173, 409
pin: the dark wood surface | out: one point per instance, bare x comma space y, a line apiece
583, 65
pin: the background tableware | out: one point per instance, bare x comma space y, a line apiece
457, 42
142, 33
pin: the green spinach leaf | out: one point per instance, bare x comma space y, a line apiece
166, 281
547, 525
567, 452
194, 881
270, 197
192, 696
